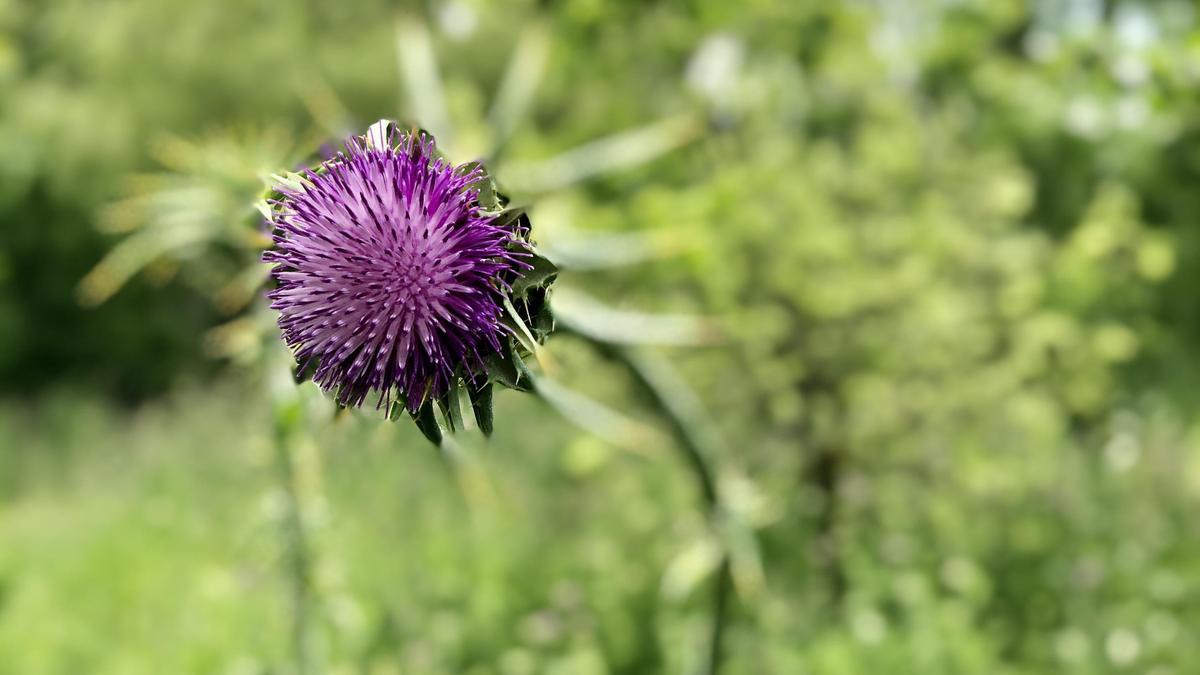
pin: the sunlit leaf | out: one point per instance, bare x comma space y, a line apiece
606, 155
516, 92
585, 315
422, 83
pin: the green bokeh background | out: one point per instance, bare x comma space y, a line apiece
952, 246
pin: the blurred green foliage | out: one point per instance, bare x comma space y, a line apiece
951, 246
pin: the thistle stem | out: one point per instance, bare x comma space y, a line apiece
689, 425
296, 540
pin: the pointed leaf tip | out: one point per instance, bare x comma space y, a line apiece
481, 404
427, 422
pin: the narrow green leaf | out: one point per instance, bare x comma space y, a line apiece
584, 315
427, 422
620, 151
521, 331
516, 92
481, 403
453, 410
597, 418
582, 251
443, 403
422, 83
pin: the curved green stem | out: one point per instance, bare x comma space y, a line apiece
689, 425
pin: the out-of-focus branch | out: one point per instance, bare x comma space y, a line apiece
696, 440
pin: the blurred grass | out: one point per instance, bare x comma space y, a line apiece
149, 543
131, 530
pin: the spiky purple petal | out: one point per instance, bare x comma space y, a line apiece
388, 272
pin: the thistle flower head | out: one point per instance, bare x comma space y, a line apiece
390, 276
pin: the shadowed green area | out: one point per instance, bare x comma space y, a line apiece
948, 255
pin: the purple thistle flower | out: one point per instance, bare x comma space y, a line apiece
390, 276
